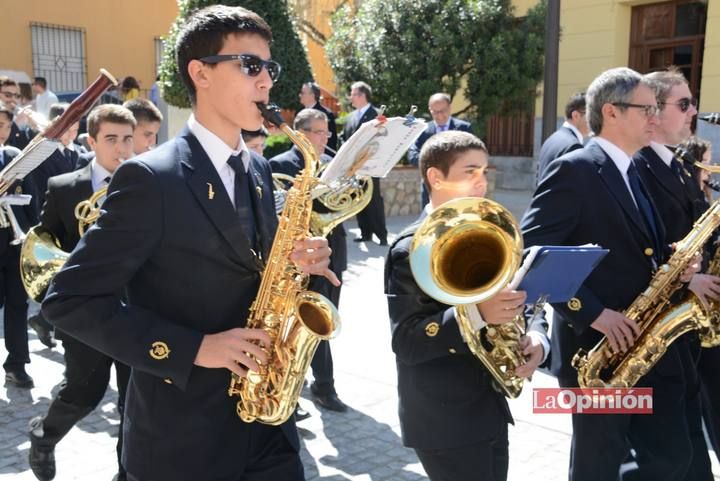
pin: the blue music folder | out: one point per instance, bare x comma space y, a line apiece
555, 273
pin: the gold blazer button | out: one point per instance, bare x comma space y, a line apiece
432, 329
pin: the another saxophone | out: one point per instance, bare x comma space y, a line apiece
709, 332
659, 322
295, 319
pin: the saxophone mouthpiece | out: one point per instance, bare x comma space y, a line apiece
713, 118
271, 113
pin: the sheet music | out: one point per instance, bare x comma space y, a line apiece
375, 148
27, 160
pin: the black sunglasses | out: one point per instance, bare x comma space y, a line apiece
251, 65
684, 103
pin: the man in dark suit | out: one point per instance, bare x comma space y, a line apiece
567, 138
371, 219
185, 231
450, 412
439, 108
12, 294
87, 372
310, 97
680, 203
10, 95
595, 195
314, 125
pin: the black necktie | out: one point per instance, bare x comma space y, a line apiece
243, 198
644, 206
69, 160
677, 170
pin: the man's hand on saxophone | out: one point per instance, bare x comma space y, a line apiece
233, 349
532, 349
706, 287
620, 331
312, 256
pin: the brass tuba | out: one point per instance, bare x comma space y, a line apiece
659, 322
41, 257
463, 253
295, 319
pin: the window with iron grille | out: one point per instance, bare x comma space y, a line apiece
59, 55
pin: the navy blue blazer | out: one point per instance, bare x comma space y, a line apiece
562, 141
430, 130
679, 203
353, 123
54, 165
447, 399
170, 237
584, 199
26, 215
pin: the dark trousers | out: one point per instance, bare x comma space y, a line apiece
663, 441
87, 374
15, 302
371, 219
487, 461
322, 363
270, 456
709, 370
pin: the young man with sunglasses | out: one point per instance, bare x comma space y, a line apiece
680, 202
185, 231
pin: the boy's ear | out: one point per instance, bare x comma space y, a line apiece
434, 176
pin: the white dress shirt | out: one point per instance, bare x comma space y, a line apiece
621, 160
663, 152
574, 129
99, 174
219, 153
44, 101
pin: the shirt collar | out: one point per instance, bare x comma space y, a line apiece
619, 158
361, 111
99, 174
215, 148
663, 152
574, 129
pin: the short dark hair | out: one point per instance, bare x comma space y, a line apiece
443, 149
363, 88
56, 110
41, 81
576, 103
248, 135
315, 89
4, 110
204, 33
663, 81
111, 113
7, 81
143, 110
696, 147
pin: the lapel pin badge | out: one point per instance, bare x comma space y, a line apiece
259, 191
211, 192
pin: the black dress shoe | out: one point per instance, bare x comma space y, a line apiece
41, 458
44, 332
383, 242
361, 239
301, 414
329, 401
19, 378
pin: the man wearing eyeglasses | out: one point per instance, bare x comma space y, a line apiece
439, 106
314, 125
595, 195
310, 96
680, 203
570, 136
185, 231
10, 96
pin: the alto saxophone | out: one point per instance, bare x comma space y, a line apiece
709, 332
660, 324
295, 319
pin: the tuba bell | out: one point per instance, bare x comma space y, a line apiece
41, 257
463, 253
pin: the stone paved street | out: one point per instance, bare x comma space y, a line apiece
362, 445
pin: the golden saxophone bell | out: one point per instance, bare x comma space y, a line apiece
463, 253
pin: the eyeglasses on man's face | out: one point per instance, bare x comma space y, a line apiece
251, 65
683, 104
648, 110
324, 133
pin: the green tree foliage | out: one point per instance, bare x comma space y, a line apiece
408, 50
287, 49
